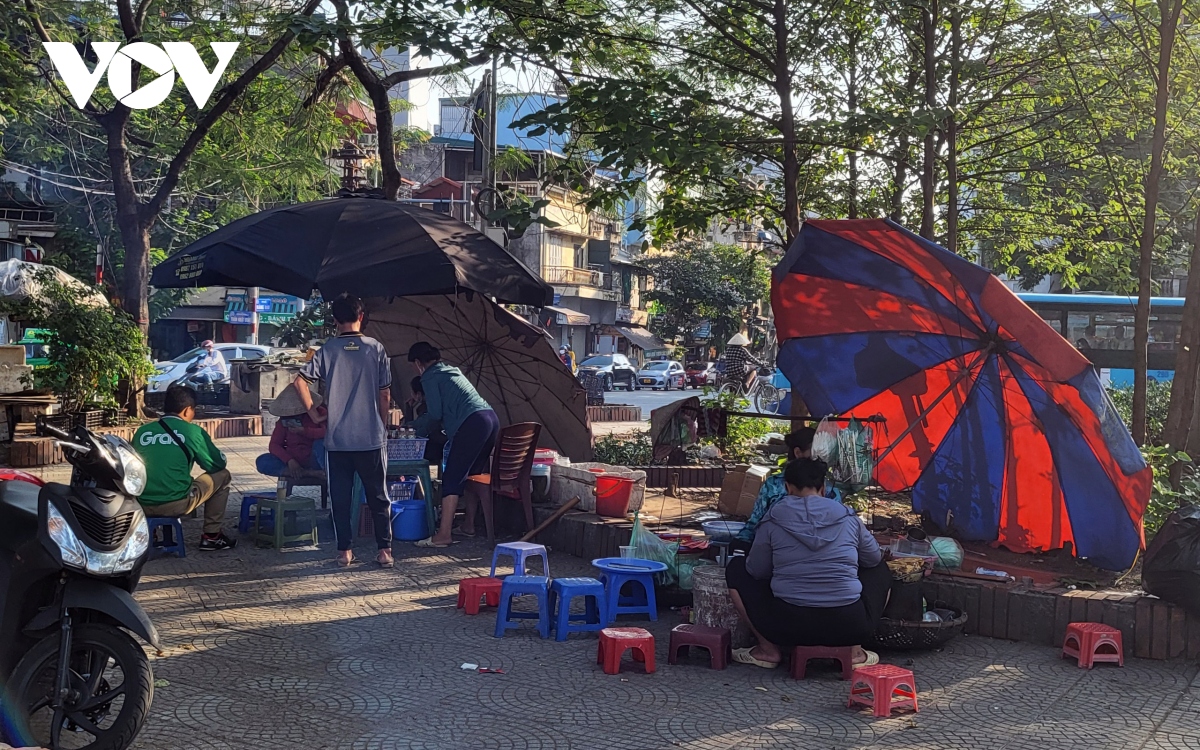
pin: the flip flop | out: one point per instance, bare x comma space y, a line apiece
872, 659
742, 656
427, 543
345, 563
458, 530
391, 563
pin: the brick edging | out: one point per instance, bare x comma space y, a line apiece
615, 413
1150, 627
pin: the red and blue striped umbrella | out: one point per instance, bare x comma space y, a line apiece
999, 426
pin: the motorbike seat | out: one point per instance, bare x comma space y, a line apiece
19, 498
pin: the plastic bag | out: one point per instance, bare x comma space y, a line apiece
1172, 567
651, 547
825, 442
949, 553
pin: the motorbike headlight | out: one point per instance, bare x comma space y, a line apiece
135, 547
132, 466
73, 551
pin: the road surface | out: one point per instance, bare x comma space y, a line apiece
648, 399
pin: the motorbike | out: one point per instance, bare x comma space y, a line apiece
73, 675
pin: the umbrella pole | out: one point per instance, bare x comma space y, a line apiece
982, 355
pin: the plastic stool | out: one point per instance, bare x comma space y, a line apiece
250, 503
1084, 640
472, 590
303, 520
172, 537
311, 482
717, 641
614, 642
515, 586
520, 552
883, 687
841, 654
562, 591
638, 602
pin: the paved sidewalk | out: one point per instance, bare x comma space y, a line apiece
283, 650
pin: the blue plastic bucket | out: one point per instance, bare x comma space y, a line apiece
408, 520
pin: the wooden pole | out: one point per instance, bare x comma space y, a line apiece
553, 517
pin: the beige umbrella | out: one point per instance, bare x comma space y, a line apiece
511, 363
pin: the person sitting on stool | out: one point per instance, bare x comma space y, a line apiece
814, 577
169, 447
297, 449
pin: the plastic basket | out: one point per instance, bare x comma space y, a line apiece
406, 449
402, 490
906, 634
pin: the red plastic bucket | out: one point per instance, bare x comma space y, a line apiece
613, 493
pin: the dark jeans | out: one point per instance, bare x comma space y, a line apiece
371, 468
470, 450
268, 464
787, 625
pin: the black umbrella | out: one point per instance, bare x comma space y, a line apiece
364, 246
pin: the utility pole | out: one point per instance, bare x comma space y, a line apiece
253, 302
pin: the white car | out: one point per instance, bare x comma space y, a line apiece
663, 374
174, 369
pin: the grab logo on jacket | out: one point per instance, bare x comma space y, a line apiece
162, 438
166, 60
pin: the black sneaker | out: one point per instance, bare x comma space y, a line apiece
216, 543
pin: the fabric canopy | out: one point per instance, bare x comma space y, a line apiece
569, 317
1000, 427
511, 363
363, 246
643, 339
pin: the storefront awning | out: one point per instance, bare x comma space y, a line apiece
569, 317
643, 339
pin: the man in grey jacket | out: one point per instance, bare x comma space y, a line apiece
814, 576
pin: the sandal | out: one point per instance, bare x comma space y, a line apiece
459, 530
428, 543
743, 656
345, 562
872, 659
385, 562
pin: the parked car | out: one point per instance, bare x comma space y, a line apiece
663, 375
173, 370
612, 369
700, 374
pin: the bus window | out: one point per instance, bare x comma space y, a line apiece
1053, 319
1080, 330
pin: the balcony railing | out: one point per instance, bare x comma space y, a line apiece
571, 275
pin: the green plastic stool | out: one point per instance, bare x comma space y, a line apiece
303, 514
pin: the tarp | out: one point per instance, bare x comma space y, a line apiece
643, 339
569, 317
19, 280
1001, 428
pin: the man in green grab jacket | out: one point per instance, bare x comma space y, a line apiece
169, 447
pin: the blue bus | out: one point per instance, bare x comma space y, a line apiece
1101, 327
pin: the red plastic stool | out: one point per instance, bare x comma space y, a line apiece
1084, 641
844, 655
472, 590
883, 687
615, 641
718, 641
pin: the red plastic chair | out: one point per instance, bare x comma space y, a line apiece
883, 687
512, 466
1092, 643
614, 642
471, 591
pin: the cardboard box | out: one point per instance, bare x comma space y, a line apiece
740, 489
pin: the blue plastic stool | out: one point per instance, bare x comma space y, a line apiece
172, 537
562, 591
617, 572
515, 586
250, 502
520, 552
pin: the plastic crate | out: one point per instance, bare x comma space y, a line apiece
406, 449
402, 489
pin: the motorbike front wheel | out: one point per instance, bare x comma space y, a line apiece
109, 692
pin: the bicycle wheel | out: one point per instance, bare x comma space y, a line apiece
729, 389
767, 399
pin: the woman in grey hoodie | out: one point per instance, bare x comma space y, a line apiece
814, 576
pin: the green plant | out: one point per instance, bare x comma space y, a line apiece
92, 347
1158, 402
1163, 497
624, 450
310, 323
741, 433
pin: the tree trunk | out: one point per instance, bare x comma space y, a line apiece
1141, 333
388, 168
787, 123
929, 161
1178, 428
135, 235
952, 131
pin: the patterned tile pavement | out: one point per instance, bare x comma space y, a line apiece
282, 650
